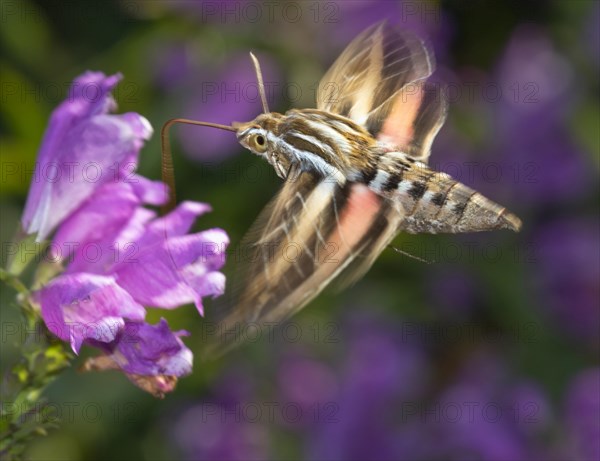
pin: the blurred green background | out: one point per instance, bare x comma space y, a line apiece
495, 316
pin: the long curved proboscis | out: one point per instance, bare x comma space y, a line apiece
167, 170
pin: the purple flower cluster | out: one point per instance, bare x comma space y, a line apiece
531, 128
567, 278
582, 409
385, 399
118, 255
218, 429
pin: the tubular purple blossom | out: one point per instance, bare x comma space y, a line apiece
152, 350
178, 270
87, 306
102, 232
118, 255
83, 148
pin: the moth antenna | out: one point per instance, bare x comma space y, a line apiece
402, 252
167, 170
261, 85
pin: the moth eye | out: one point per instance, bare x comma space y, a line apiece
259, 142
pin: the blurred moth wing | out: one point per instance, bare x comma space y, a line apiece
355, 174
319, 227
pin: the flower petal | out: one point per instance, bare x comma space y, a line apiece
103, 215
171, 272
177, 222
82, 149
151, 192
76, 307
105, 229
152, 350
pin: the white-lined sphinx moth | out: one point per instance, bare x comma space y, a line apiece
356, 175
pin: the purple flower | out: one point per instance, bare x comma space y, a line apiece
567, 277
227, 427
171, 63
215, 432
93, 239
486, 414
166, 269
145, 349
424, 19
150, 257
390, 407
379, 372
76, 307
151, 356
83, 148
119, 255
178, 271
539, 93
308, 384
583, 408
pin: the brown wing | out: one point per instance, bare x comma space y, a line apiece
308, 234
379, 82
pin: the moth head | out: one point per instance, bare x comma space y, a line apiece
253, 137
258, 134
260, 137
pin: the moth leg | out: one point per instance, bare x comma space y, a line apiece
293, 172
406, 253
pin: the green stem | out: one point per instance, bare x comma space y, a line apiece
24, 413
13, 281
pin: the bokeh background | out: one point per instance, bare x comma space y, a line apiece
490, 353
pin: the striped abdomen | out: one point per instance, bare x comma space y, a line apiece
433, 201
